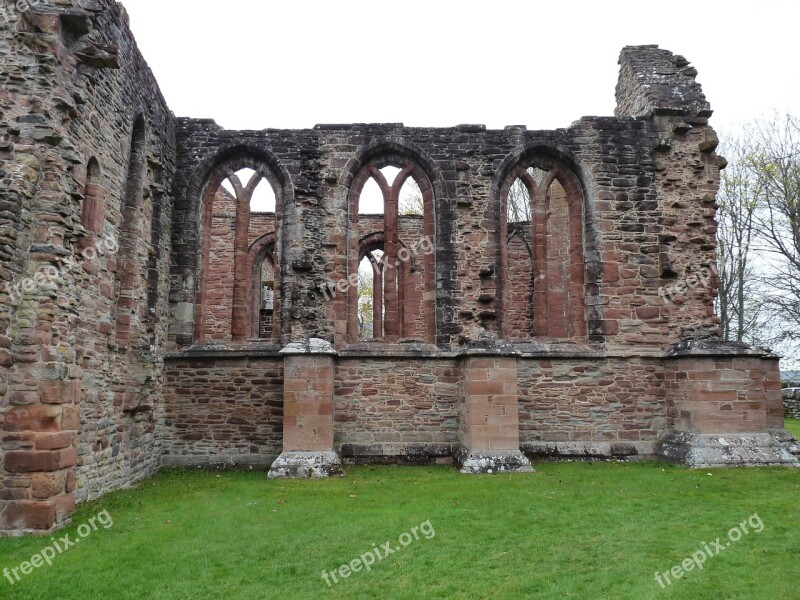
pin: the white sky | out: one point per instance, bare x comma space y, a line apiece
253, 64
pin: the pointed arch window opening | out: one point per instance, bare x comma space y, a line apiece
129, 273
93, 209
406, 288
239, 198
543, 293
265, 287
371, 307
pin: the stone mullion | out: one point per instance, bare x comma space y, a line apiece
577, 265
429, 265
205, 250
401, 299
539, 247
240, 265
377, 300
391, 247
276, 298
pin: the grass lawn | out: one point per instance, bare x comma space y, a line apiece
572, 530
793, 425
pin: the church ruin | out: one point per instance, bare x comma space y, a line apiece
152, 314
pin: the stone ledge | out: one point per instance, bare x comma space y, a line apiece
402, 349
488, 462
716, 347
221, 462
525, 350
787, 440
421, 453
702, 451
303, 465
589, 450
310, 346
227, 350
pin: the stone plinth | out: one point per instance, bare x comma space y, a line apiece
489, 415
723, 407
307, 412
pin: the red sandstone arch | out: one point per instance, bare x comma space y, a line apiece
557, 232
400, 291
244, 254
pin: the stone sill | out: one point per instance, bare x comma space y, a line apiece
228, 350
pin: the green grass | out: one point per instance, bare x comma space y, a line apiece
793, 425
572, 530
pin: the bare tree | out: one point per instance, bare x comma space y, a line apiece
366, 281
739, 304
518, 204
775, 158
410, 201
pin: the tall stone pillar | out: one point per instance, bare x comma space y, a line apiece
307, 412
489, 415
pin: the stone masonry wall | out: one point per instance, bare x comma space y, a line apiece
396, 409
589, 403
223, 411
791, 404
646, 180
79, 402
675, 228
648, 185
466, 215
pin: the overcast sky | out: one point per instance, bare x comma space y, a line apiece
253, 64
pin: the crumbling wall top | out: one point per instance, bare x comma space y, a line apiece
656, 81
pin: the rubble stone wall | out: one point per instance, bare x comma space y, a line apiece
791, 404
85, 222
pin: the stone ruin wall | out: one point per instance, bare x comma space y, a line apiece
80, 392
791, 404
588, 394
150, 355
